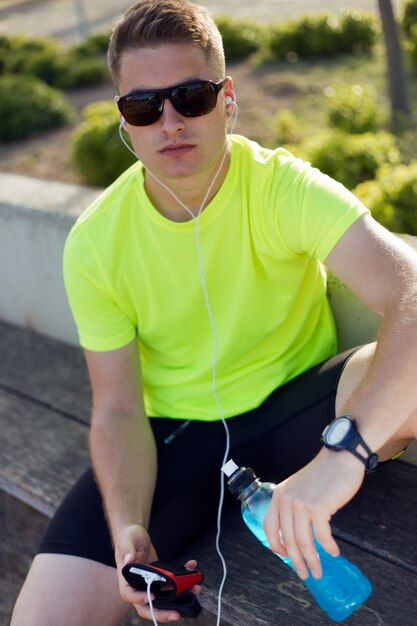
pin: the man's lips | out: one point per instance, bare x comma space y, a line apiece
176, 148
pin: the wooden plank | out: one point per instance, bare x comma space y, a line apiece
261, 590
41, 452
44, 369
381, 518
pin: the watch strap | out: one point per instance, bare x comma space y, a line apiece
370, 459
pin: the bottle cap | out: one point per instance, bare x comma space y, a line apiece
239, 477
229, 468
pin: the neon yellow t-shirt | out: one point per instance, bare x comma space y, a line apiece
130, 272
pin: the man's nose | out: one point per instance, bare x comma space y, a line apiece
171, 121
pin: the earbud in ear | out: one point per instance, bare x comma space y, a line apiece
229, 100
122, 121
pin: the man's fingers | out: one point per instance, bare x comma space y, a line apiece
305, 541
272, 527
323, 533
160, 615
290, 542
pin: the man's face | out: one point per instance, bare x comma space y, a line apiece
175, 147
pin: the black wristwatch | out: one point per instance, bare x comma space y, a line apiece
342, 434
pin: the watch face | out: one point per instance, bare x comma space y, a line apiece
338, 431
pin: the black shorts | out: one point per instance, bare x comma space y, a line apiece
275, 439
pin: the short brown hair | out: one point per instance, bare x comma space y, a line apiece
151, 23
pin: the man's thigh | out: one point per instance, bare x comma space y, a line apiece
68, 590
352, 376
284, 433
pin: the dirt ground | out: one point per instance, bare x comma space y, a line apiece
260, 93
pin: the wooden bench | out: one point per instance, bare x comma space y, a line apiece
44, 416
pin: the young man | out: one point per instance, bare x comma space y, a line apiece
267, 224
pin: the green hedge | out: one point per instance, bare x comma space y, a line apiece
411, 47
41, 57
241, 38
409, 16
322, 35
392, 197
29, 106
97, 152
350, 159
16, 51
95, 45
354, 108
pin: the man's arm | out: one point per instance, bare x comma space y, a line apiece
382, 271
121, 441
124, 459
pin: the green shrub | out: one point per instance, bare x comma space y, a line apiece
81, 72
350, 159
392, 197
66, 72
18, 51
287, 129
409, 16
97, 151
94, 45
411, 47
240, 37
322, 35
354, 108
306, 37
5, 46
359, 32
42, 58
27, 107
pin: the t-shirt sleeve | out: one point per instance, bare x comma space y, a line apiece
101, 323
314, 210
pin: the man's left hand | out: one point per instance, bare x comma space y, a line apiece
303, 505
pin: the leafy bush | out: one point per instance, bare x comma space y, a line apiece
287, 129
411, 46
359, 32
322, 35
240, 37
95, 45
354, 108
97, 151
42, 58
392, 197
29, 106
17, 51
81, 72
4, 52
66, 72
409, 17
350, 159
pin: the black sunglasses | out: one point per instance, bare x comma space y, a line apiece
192, 99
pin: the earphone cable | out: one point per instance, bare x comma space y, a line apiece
148, 589
215, 350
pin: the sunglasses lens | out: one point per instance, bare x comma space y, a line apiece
141, 109
194, 99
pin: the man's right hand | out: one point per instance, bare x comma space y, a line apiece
133, 544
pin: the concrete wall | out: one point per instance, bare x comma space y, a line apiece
35, 218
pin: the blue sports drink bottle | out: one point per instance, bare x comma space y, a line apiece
342, 588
